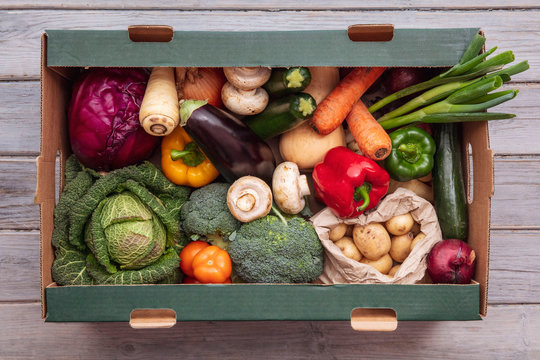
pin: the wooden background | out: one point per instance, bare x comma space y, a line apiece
512, 327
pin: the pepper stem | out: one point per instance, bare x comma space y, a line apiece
191, 155
409, 152
362, 193
177, 154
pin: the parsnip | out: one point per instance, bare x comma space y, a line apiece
323, 80
159, 113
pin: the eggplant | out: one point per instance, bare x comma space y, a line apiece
233, 148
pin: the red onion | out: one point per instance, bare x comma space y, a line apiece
451, 262
396, 79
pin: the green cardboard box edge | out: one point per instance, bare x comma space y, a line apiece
67, 48
237, 48
263, 301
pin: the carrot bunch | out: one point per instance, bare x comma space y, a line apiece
344, 103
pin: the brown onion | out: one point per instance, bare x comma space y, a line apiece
203, 83
451, 262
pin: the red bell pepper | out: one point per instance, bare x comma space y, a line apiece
349, 183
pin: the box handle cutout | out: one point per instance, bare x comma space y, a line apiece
371, 32
150, 33
470, 169
152, 318
374, 319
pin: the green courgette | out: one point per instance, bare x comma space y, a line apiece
448, 184
281, 115
287, 81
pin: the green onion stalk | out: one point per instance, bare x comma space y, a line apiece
472, 68
468, 101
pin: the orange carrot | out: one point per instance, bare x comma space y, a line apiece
371, 138
333, 110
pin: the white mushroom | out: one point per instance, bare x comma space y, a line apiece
247, 78
249, 198
289, 188
244, 102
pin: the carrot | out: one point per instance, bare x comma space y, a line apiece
371, 138
333, 110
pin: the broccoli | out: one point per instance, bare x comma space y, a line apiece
273, 249
206, 215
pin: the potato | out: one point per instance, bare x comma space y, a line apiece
347, 247
394, 270
337, 232
400, 224
421, 236
382, 264
401, 247
372, 240
419, 188
426, 179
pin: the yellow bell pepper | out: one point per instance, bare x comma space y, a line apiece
183, 162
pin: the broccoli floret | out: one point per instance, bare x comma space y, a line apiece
277, 250
206, 214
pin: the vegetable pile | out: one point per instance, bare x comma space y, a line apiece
244, 150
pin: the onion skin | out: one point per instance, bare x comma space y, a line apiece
451, 261
202, 83
399, 78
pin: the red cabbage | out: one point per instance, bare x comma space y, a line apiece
103, 117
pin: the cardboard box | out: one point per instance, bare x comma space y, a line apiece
65, 51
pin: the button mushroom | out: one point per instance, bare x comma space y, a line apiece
247, 78
289, 188
242, 94
249, 198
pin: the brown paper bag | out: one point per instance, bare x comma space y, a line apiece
340, 269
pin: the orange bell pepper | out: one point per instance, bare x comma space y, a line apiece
187, 255
212, 265
183, 162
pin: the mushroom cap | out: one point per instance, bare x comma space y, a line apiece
249, 198
289, 188
247, 78
244, 102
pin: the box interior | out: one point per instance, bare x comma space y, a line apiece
424, 302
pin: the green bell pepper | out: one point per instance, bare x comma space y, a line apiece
412, 154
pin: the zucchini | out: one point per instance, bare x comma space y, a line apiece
287, 81
281, 115
448, 184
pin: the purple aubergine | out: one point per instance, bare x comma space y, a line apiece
233, 148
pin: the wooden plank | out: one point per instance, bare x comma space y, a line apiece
515, 136
512, 205
515, 202
20, 120
17, 186
508, 332
514, 269
514, 266
515, 30
269, 5
19, 266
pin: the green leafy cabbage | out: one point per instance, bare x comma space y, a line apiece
119, 228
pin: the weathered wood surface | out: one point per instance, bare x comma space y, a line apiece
509, 30
271, 5
509, 332
511, 329
20, 120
